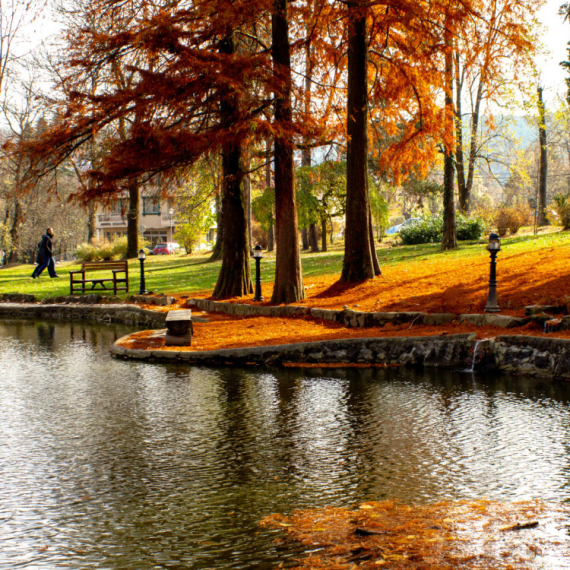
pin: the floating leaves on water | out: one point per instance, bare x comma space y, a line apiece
464, 535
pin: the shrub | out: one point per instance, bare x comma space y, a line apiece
512, 219
258, 235
430, 230
427, 230
562, 207
102, 250
469, 228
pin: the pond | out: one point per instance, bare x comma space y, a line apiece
112, 464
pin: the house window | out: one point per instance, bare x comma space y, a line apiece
119, 206
151, 205
155, 236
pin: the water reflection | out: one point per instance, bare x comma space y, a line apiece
112, 464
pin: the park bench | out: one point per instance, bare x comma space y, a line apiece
119, 277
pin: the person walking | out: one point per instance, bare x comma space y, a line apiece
45, 256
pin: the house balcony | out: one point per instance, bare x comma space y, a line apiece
111, 221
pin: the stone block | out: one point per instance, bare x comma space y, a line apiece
178, 328
18, 298
533, 310
434, 319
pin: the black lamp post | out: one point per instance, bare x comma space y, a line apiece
142, 257
493, 248
258, 257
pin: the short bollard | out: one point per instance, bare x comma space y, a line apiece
493, 248
178, 328
142, 257
258, 257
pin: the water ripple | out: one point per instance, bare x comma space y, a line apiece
115, 465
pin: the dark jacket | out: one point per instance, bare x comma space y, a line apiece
45, 250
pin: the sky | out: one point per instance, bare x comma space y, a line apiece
556, 40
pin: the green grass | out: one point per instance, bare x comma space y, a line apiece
189, 274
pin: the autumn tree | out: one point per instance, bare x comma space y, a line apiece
543, 161
288, 287
491, 51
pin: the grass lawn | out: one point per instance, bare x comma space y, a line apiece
181, 274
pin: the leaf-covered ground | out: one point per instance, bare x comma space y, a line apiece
445, 536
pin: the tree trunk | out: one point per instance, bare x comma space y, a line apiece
358, 262
459, 159
543, 164
449, 239
133, 222
305, 238
271, 231
313, 238
288, 286
271, 238
234, 279
15, 253
217, 251
324, 233
377, 269
91, 222
247, 192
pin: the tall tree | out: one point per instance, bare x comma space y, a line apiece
492, 50
449, 238
234, 279
543, 161
288, 287
360, 261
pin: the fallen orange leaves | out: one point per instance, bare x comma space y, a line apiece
442, 284
227, 331
449, 284
458, 535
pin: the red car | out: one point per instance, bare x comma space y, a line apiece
164, 249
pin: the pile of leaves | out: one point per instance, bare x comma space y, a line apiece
445, 536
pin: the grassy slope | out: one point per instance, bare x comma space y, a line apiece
190, 274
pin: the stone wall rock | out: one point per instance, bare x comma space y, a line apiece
439, 351
242, 310
536, 356
18, 298
503, 321
123, 314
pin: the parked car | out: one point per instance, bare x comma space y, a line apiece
165, 248
396, 229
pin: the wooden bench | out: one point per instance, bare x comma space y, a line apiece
119, 278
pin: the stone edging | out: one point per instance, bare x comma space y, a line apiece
536, 356
124, 314
439, 351
350, 318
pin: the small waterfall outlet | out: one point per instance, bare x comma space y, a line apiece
475, 349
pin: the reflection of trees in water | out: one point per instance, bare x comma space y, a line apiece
46, 335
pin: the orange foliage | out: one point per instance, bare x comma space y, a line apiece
537, 276
445, 536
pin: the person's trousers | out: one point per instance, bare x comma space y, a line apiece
49, 263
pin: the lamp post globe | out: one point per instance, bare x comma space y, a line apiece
258, 256
142, 257
493, 247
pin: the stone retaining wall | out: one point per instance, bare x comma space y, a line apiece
453, 351
535, 356
123, 314
351, 318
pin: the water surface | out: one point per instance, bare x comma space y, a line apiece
111, 464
